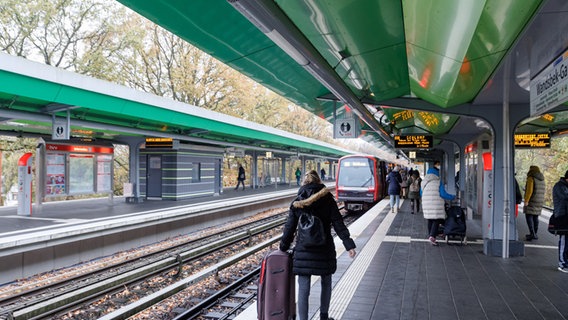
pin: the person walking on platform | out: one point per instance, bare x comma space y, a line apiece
433, 201
414, 186
560, 212
241, 177
314, 198
322, 173
534, 200
298, 176
394, 180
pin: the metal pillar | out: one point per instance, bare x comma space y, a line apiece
254, 169
506, 158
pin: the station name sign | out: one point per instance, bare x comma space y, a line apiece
550, 87
413, 141
532, 140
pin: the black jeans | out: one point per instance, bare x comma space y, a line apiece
415, 204
532, 223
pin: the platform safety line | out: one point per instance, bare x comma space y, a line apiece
345, 288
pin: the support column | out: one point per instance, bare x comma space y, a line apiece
134, 169
254, 177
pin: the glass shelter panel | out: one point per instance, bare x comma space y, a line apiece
81, 173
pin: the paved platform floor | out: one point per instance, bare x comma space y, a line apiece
408, 278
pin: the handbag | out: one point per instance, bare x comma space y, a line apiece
310, 230
558, 225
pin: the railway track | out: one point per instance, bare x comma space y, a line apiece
51, 298
124, 290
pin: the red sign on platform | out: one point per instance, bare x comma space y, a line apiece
78, 148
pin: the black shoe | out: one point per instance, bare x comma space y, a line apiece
535, 237
529, 237
411, 212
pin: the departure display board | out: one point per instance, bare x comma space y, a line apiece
159, 142
412, 141
532, 140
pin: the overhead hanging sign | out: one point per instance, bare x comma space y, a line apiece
550, 87
532, 140
345, 129
413, 141
60, 129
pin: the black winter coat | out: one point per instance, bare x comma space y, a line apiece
320, 260
560, 200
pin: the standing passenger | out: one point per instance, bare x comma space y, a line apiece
322, 173
414, 191
560, 200
314, 198
404, 184
433, 201
298, 176
240, 177
534, 200
394, 180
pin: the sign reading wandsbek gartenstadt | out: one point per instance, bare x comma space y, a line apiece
550, 87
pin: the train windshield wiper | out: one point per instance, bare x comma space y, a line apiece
366, 182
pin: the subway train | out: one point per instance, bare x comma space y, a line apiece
361, 181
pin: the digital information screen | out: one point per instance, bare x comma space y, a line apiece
532, 140
159, 143
413, 141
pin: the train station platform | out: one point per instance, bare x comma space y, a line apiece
398, 274
59, 213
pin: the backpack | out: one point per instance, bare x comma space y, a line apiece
310, 230
415, 185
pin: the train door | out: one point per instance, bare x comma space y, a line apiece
382, 180
154, 176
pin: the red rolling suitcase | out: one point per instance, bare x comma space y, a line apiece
276, 287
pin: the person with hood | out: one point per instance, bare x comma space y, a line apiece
534, 200
394, 180
433, 201
560, 212
314, 198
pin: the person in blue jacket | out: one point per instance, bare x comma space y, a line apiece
394, 179
434, 197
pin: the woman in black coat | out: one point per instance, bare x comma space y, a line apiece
314, 198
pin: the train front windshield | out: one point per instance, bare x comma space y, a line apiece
356, 172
